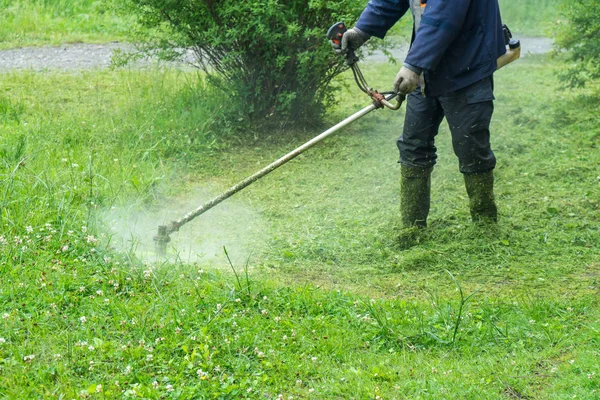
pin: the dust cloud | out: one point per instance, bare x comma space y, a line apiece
233, 224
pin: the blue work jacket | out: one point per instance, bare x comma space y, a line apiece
457, 44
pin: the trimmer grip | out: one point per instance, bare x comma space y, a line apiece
336, 32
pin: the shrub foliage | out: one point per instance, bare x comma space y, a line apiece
269, 56
580, 35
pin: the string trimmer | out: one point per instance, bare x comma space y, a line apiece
379, 100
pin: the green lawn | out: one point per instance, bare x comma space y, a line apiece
332, 306
53, 22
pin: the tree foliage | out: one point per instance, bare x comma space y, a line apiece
270, 57
579, 34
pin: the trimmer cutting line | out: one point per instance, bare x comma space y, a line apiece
379, 100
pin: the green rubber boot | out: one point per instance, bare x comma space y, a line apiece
480, 188
415, 191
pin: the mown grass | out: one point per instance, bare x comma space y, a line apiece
333, 306
52, 22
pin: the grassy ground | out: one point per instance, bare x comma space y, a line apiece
530, 17
52, 22
332, 306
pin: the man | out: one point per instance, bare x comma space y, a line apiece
457, 46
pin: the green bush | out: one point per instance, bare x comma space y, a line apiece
579, 34
270, 57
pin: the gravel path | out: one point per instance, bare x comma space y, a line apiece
75, 57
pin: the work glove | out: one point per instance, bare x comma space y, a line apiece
406, 81
352, 40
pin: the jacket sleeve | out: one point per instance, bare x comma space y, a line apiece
380, 15
440, 25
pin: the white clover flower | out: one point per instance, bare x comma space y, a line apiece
29, 358
202, 375
5, 316
169, 388
155, 385
29, 229
99, 389
2, 340
83, 319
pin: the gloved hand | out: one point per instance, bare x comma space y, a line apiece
352, 39
406, 81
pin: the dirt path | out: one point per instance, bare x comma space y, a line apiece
75, 57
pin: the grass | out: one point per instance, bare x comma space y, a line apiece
53, 22
332, 306
531, 17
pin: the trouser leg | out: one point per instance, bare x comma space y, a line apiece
421, 124
417, 156
469, 113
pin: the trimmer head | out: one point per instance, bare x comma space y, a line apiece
161, 240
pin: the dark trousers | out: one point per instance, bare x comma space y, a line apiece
468, 112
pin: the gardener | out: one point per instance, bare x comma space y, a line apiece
448, 72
